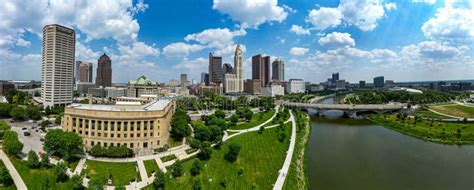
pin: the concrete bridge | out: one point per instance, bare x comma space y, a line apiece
348, 109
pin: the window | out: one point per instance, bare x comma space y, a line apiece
106, 125
87, 123
105, 134
138, 135
99, 125
112, 135
131, 135
92, 143
98, 134
93, 124
124, 135
105, 144
119, 125
139, 124
145, 123
132, 125
118, 135
112, 126
131, 145
151, 134
87, 133
74, 122
93, 133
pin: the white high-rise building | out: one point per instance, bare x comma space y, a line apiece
295, 86
234, 82
57, 72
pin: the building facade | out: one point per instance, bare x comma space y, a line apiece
205, 78
104, 71
278, 70
273, 89
238, 68
295, 86
253, 86
57, 72
215, 69
379, 82
137, 127
233, 79
261, 69
5, 87
84, 73
142, 86
184, 80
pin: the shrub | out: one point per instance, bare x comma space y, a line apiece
111, 151
76, 183
197, 185
45, 161
282, 136
159, 182
223, 183
5, 177
234, 150
18, 113
177, 170
33, 160
11, 144
60, 172
260, 131
196, 167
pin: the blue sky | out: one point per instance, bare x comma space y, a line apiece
402, 40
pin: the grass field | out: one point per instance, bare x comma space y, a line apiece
122, 172
430, 130
10, 187
430, 114
168, 158
297, 178
455, 110
38, 178
260, 158
257, 119
150, 166
173, 143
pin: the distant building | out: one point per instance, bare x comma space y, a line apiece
184, 80
253, 86
278, 70
227, 69
173, 82
205, 78
84, 72
83, 87
261, 69
238, 68
316, 88
142, 86
215, 69
362, 84
295, 86
5, 87
216, 89
108, 92
341, 84
233, 82
273, 89
104, 71
335, 77
57, 76
379, 82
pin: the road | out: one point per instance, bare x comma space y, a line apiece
289, 155
29, 142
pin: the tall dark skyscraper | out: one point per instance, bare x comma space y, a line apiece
261, 68
227, 68
278, 70
335, 77
104, 71
379, 82
215, 69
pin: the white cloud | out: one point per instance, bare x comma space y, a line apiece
137, 53
336, 39
299, 30
198, 64
363, 14
324, 18
390, 6
432, 50
251, 13
229, 51
298, 51
215, 38
84, 53
289, 9
452, 24
181, 49
430, 2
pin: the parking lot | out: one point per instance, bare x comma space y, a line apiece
32, 141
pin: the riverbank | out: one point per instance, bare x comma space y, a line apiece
298, 176
428, 130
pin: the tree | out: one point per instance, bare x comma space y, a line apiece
197, 185
60, 172
45, 161
5, 109
234, 150
261, 129
33, 113
76, 183
196, 167
33, 160
180, 127
177, 170
5, 177
11, 144
205, 151
282, 136
57, 119
65, 144
18, 113
219, 114
234, 119
3, 127
159, 182
194, 143
248, 114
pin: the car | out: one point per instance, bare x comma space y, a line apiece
24, 128
26, 133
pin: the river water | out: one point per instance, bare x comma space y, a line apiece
358, 154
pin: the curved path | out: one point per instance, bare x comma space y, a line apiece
19, 183
289, 155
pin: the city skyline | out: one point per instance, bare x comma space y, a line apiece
401, 40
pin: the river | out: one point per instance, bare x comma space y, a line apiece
358, 154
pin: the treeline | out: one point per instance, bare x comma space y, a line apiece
212, 101
383, 97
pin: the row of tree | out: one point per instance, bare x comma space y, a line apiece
19, 113
384, 96
111, 151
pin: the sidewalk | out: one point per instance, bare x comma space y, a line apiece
11, 169
289, 155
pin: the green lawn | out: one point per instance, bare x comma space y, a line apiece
122, 172
173, 143
12, 186
257, 119
455, 110
442, 132
150, 166
260, 158
430, 114
292, 181
38, 178
168, 158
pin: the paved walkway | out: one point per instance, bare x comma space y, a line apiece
142, 170
11, 169
455, 118
289, 155
79, 166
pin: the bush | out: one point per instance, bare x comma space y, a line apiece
11, 144
45, 160
197, 185
76, 183
196, 167
261, 129
3, 127
111, 151
282, 136
33, 160
60, 172
5, 177
177, 170
224, 183
159, 182
234, 150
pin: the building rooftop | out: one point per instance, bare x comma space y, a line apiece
152, 106
142, 80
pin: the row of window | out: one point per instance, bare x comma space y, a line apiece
129, 145
113, 125
112, 135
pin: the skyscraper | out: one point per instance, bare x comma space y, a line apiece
205, 78
261, 68
57, 72
184, 80
379, 82
278, 70
227, 68
104, 71
238, 67
215, 69
335, 77
84, 72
